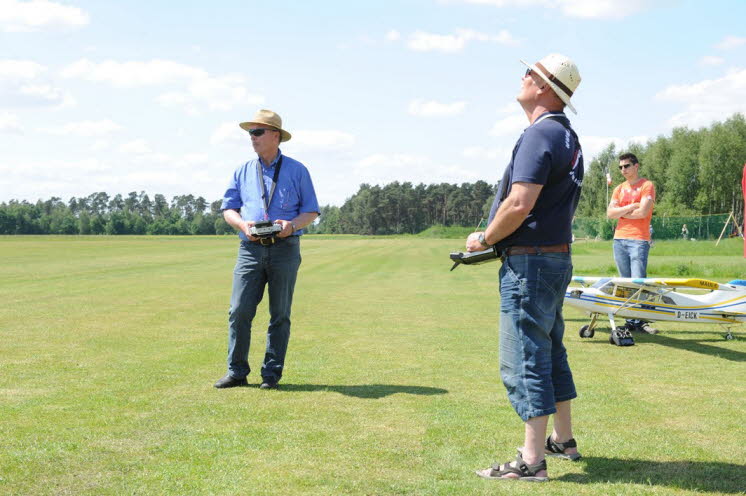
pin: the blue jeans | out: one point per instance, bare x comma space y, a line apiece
631, 257
275, 266
533, 360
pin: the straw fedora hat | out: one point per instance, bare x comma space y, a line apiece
266, 117
560, 73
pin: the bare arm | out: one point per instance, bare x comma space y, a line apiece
643, 210
233, 218
614, 211
509, 217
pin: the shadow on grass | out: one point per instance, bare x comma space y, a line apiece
370, 391
694, 345
694, 476
699, 346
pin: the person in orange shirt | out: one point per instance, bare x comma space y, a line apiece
632, 203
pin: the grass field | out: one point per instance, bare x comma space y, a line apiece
109, 347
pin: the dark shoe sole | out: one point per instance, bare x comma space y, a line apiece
230, 384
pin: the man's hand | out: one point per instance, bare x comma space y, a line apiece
246, 226
473, 244
287, 228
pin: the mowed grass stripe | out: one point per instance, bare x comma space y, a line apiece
110, 347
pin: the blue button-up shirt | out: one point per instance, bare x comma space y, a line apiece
294, 193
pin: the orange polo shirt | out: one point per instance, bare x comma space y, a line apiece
625, 194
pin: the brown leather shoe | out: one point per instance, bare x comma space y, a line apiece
228, 381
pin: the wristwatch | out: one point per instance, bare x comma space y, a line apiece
483, 241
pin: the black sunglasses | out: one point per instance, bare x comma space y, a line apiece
624, 166
528, 72
258, 132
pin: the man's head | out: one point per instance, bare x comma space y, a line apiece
550, 82
266, 131
629, 166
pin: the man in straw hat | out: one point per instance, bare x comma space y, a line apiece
273, 187
530, 223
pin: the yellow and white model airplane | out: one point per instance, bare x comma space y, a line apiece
654, 299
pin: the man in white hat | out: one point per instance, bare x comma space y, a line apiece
531, 223
275, 188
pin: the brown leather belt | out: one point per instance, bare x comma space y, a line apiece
264, 241
533, 250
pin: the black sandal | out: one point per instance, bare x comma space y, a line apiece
525, 471
557, 450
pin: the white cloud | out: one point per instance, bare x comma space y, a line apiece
9, 124
196, 87
393, 35
132, 74
229, 133
586, 9
19, 70
21, 86
100, 145
322, 139
499, 154
730, 42
593, 145
711, 60
601, 9
85, 128
433, 108
510, 126
44, 94
421, 41
38, 14
135, 147
190, 159
708, 100
383, 168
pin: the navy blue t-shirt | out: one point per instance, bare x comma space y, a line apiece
549, 154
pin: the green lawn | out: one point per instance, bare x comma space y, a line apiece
109, 347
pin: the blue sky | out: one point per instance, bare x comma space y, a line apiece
147, 96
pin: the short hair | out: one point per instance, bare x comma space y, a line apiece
629, 156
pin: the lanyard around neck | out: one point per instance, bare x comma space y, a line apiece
267, 199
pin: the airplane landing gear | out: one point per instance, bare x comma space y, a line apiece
587, 331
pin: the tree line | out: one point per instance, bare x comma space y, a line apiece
696, 173
392, 209
99, 213
398, 208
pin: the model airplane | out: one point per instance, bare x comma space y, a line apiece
653, 299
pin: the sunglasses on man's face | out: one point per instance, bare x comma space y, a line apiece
624, 166
258, 132
528, 72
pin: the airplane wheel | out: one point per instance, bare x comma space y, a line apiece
729, 336
611, 339
586, 332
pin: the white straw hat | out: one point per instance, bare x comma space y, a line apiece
560, 73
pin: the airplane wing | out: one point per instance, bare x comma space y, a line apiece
640, 282
589, 281
692, 283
